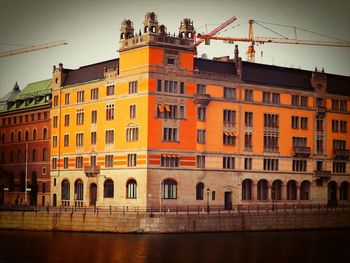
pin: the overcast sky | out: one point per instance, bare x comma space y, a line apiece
92, 30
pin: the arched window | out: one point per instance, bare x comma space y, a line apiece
3, 138
262, 189
199, 191
305, 190
276, 190
291, 190
12, 137
344, 191
19, 136
79, 190
169, 189
131, 189
34, 134
108, 189
247, 189
27, 136
44, 154
65, 190
45, 134
34, 155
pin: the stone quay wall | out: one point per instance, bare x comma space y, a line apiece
174, 223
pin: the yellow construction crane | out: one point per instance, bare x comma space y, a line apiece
262, 40
33, 48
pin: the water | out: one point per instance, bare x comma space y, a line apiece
299, 246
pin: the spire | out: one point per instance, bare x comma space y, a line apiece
16, 87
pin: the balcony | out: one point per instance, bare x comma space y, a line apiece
342, 154
201, 99
321, 174
301, 151
321, 110
91, 171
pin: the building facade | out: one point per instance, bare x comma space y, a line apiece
160, 127
25, 145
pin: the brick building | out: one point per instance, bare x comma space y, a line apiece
25, 144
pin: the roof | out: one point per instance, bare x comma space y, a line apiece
10, 95
39, 88
338, 84
88, 73
207, 65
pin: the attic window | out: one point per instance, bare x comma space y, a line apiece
170, 61
56, 80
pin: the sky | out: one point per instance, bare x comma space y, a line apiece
91, 29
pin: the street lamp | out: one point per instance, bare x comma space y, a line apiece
208, 192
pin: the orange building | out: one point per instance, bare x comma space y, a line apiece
160, 127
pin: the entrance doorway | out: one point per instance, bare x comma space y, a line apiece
228, 200
93, 194
54, 200
332, 194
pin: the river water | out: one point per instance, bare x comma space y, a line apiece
298, 246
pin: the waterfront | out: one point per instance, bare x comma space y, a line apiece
284, 246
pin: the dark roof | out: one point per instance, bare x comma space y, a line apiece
220, 67
89, 72
338, 84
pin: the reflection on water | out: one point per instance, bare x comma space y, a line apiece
300, 246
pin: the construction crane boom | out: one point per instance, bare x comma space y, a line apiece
33, 48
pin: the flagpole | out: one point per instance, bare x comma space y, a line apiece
25, 183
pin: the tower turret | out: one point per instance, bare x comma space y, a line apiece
186, 29
150, 23
126, 29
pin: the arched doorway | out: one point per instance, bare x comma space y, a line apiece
262, 190
276, 190
93, 194
332, 193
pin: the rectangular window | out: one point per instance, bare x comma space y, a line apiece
303, 123
276, 98
54, 163
271, 142
66, 120
55, 121
201, 89
159, 85
132, 87
229, 93
167, 160
170, 134
79, 140
270, 164
93, 160
200, 136
248, 141
299, 142
109, 161
229, 138
343, 126
132, 134
248, 118
80, 117
339, 167
132, 160
94, 94
248, 163
343, 105
319, 124
295, 100
39, 117
110, 89
25, 118
319, 102
319, 146
228, 162
248, 95
66, 140
200, 161
54, 141
201, 114
109, 137
170, 111
65, 163
67, 98
110, 112
55, 101
335, 126
94, 117
80, 96
132, 111
266, 97
339, 144
182, 88
299, 166
182, 112
335, 105
93, 138
79, 162
295, 122
229, 117
271, 120
45, 116
304, 101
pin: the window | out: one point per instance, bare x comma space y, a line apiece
34, 155
229, 117
131, 189
66, 120
319, 146
339, 144
170, 61
132, 160
299, 142
132, 111
200, 136
65, 190
319, 102
94, 117
335, 105
65, 163
108, 189
229, 93
266, 97
304, 101
3, 138
262, 190
248, 163
276, 98
26, 118
54, 163
170, 111
201, 89
12, 137
319, 124
248, 118
339, 167
228, 162
93, 160
343, 126
271, 120
182, 112
21, 118
55, 121
271, 142
335, 126
303, 123
170, 86
229, 138
247, 189
109, 137
45, 134
93, 138
55, 101
110, 88
248, 95
19, 136
169, 160
132, 87
78, 190
248, 141
182, 88
200, 161
270, 164
159, 85
80, 96
110, 112
295, 100
295, 122
170, 134
109, 161
54, 141
291, 190
132, 134
94, 94
79, 140
79, 162
213, 195
201, 113
199, 191
305, 190
169, 189
343, 105
66, 98
66, 140
299, 165
80, 117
